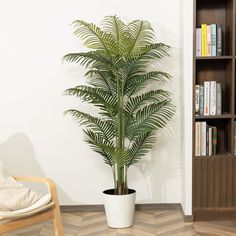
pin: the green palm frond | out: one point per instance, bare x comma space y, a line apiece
95, 96
140, 147
102, 79
89, 58
93, 37
150, 118
137, 102
101, 146
138, 82
114, 26
103, 128
141, 33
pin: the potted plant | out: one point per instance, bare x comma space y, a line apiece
119, 75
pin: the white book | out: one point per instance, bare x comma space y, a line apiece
210, 141
197, 87
206, 98
218, 99
209, 40
198, 42
197, 138
203, 139
213, 98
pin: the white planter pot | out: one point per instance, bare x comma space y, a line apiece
119, 209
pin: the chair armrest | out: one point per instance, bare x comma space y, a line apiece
49, 182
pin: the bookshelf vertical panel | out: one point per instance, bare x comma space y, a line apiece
217, 183
229, 182
198, 181
234, 182
211, 184
204, 183
222, 182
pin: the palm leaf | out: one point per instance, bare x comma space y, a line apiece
136, 83
137, 102
103, 128
93, 37
150, 118
95, 96
141, 146
100, 146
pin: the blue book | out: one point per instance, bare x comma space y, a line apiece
201, 100
213, 39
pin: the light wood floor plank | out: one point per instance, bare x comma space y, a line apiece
160, 222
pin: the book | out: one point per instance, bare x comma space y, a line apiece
198, 42
206, 98
197, 138
210, 141
213, 39
203, 138
207, 139
218, 99
201, 100
219, 40
204, 39
213, 98
214, 140
197, 100
208, 40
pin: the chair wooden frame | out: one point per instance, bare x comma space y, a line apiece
51, 213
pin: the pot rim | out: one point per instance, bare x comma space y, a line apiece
111, 192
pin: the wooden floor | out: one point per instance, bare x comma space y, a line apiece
161, 222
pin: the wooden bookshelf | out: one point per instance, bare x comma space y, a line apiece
214, 177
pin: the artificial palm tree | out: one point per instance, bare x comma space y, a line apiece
118, 74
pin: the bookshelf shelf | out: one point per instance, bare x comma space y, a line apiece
215, 58
224, 116
214, 176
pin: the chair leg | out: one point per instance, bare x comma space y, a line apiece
57, 222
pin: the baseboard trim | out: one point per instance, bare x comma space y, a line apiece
151, 206
187, 218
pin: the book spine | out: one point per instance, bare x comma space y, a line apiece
214, 140
218, 99
197, 100
208, 40
210, 141
198, 42
197, 139
213, 40
207, 139
203, 139
204, 39
201, 100
206, 97
219, 40
213, 98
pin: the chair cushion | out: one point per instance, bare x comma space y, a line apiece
14, 195
41, 205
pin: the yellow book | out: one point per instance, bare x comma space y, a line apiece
204, 39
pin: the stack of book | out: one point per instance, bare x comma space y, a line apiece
208, 99
234, 137
209, 40
205, 139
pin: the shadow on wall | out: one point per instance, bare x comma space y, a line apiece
163, 165
17, 154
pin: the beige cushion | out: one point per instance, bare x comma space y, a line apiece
14, 195
43, 204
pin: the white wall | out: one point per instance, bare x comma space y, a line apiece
35, 137
186, 58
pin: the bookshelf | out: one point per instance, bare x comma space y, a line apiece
214, 177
